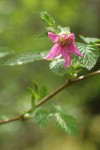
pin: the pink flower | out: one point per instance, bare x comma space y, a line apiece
64, 46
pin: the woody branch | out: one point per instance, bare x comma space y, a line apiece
52, 94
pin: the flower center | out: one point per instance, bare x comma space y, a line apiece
64, 41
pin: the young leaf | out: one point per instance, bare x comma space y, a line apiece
42, 117
47, 18
42, 92
67, 123
35, 86
37, 92
34, 95
25, 58
88, 39
57, 66
90, 55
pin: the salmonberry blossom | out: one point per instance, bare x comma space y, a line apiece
64, 46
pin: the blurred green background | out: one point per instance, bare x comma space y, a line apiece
19, 24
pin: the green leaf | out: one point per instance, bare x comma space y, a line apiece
63, 30
57, 66
90, 55
42, 92
47, 18
26, 58
4, 51
32, 91
35, 86
36, 93
51, 29
42, 117
67, 123
89, 40
56, 108
44, 53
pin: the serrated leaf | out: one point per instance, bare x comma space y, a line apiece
90, 55
42, 117
56, 108
4, 51
57, 66
47, 18
25, 58
67, 123
89, 39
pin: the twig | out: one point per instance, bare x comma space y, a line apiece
45, 99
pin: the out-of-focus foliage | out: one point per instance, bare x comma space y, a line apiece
19, 25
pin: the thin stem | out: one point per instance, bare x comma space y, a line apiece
66, 84
52, 94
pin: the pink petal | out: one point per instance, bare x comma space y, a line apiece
67, 57
70, 36
75, 49
53, 37
54, 52
70, 48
